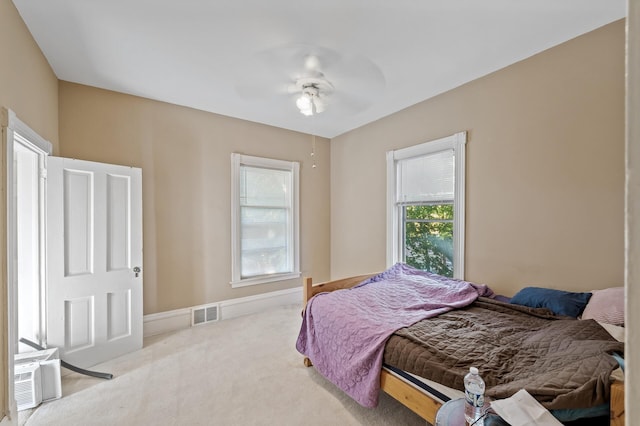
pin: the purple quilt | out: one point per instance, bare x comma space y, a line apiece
344, 332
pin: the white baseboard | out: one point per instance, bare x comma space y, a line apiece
6, 421
179, 319
164, 322
260, 302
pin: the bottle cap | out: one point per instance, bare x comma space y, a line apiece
473, 370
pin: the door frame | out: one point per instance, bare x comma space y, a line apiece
12, 125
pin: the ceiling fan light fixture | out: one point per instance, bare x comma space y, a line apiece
318, 104
310, 101
305, 104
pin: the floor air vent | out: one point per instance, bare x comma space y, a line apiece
204, 314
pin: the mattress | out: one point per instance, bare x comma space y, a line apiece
563, 363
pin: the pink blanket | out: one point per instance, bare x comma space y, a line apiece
344, 332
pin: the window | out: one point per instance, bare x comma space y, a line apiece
425, 206
264, 220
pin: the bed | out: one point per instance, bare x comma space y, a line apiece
418, 382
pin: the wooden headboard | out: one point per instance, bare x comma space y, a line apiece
309, 290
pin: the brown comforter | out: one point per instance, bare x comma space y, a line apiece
563, 363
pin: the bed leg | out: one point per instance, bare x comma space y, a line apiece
307, 362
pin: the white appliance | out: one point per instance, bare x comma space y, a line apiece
28, 385
37, 377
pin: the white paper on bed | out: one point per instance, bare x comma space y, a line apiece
522, 409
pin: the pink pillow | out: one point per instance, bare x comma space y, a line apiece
606, 306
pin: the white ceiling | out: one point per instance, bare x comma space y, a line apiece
238, 57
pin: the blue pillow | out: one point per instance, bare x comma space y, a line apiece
559, 302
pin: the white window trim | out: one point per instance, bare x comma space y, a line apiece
456, 142
294, 167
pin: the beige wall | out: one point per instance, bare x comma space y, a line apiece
185, 156
29, 88
632, 267
545, 170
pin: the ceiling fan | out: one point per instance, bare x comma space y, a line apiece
314, 89
311, 78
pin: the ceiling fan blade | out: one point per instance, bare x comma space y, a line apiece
355, 74
346, 84
257, 81
349, 103
312, 63
260, 90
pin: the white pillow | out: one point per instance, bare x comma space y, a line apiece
606, 306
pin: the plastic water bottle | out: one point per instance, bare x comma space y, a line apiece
474, 396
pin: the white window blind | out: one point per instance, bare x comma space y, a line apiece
264, 216
427, 178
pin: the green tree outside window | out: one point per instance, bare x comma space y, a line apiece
429, 238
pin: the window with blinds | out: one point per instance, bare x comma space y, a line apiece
427, 178
426, 206
264, 220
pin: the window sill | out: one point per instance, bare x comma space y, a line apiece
263, 279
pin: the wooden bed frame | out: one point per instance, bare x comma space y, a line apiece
410, 396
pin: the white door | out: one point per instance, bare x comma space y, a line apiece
94, 249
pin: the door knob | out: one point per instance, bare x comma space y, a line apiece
137, 270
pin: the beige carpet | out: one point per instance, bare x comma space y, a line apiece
243, 371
